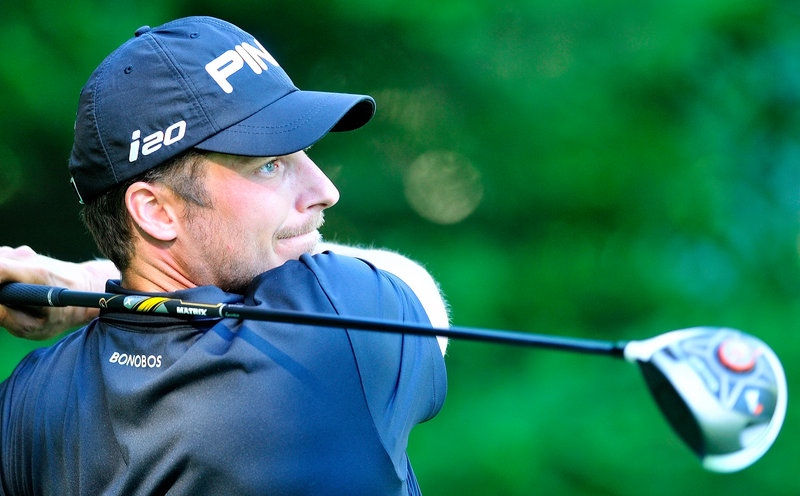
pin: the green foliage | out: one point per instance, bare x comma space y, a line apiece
638, 172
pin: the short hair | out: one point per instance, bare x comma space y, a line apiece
107, 217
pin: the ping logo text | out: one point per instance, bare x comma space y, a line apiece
224, 66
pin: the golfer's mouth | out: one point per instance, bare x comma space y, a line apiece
303, 238
299, 242
298, 235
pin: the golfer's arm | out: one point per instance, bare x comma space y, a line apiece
412, 273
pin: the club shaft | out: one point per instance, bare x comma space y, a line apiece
21, 295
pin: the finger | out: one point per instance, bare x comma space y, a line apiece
24, 325
8, 321
23, 251
14, 270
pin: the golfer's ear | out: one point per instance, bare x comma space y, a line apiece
153, 208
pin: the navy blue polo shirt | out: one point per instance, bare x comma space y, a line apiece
142, 404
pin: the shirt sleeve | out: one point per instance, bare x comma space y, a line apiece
403, 376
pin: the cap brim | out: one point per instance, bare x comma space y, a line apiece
292, 123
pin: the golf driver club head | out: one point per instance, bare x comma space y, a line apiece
723, 391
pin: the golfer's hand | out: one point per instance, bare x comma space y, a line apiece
24, 265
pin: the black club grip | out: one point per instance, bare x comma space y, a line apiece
20, 294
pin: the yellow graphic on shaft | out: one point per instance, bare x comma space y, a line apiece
149, 304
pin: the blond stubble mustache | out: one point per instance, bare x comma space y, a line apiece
313, 224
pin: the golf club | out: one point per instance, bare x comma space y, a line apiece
723, 391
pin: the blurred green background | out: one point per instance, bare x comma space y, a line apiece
602, 168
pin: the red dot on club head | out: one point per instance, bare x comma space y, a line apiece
737, 355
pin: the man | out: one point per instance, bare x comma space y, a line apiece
189, 157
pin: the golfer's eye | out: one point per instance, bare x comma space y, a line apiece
269, 168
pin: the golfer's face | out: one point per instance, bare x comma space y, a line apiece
265, 211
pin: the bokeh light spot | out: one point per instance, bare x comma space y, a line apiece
443, 186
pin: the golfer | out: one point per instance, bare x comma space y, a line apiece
189, 157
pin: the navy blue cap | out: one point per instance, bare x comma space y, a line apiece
196, 82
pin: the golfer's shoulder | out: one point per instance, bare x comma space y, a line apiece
334, 270
367, 264
399, 270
